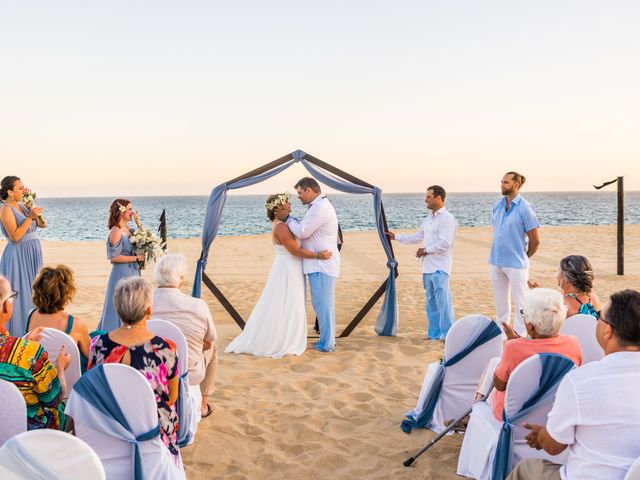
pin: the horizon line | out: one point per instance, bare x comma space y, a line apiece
240, 194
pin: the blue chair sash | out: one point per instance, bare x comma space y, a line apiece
94, 387
184, 410
490, 332
554, 368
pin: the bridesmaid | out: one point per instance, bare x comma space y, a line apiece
22, 257
120, 252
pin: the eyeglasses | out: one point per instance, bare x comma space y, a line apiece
12, 296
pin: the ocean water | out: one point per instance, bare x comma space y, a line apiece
85, 218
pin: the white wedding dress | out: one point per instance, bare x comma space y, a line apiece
277, 325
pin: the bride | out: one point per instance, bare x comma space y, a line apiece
277, 325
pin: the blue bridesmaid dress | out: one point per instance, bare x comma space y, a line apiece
21, 261
110, 320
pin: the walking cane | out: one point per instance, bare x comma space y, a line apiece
434, 440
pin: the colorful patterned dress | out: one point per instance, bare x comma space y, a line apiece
156, 359
26, 364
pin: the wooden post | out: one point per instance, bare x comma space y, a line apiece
620, 226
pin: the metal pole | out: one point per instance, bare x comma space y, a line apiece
620, 226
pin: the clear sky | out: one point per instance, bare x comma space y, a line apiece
167, 97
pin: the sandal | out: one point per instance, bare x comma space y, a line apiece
210, 410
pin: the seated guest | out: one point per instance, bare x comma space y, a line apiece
575, 278
133, 344
543, 314
53, 290
191, 315
26, 364
596, 412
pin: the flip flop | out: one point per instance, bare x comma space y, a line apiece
210, 410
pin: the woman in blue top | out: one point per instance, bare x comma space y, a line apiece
123, 259
22, 257
575, 278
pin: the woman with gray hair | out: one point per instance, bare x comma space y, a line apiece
191, 315
543, 315
575, 278
133, 344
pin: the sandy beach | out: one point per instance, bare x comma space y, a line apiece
337, 416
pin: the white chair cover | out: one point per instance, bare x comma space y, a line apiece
138, 404
483, 430
460, 380
168, 330
583, 327
634, 472
13, 411
52, 340
49, 455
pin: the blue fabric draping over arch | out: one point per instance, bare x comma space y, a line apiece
554, 368
94, 387
490, 332
387, 321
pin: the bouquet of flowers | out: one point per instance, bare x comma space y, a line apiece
147, 243
29, 201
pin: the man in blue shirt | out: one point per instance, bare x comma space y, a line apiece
516, 238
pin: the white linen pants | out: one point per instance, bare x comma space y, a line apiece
508, 281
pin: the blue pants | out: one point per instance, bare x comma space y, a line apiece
322, 288
439, 307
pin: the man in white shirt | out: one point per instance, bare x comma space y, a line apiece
191, 315
596, 412
437, 236
318, 230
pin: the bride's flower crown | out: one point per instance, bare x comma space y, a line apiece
279, 201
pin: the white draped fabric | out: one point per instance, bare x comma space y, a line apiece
461, 379
48, 455
13, 412
277, 325
634, 472
111, 441
52, 340
583, 327
483, 430
189, 414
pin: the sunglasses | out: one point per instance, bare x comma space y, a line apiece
601, 317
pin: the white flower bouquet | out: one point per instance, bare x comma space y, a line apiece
147, 243
29, 201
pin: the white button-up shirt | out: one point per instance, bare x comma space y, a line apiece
318, 230
597, 413
191, 315
437, 236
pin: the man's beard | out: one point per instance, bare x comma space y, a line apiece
507, 192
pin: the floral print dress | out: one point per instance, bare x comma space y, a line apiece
156, 359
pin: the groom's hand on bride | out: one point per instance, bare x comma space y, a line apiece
325, 255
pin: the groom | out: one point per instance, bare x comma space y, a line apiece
318, 231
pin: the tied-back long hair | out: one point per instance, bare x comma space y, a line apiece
7, 184
115, 213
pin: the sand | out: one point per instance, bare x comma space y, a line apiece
337, 416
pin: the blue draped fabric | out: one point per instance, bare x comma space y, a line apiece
386, 323
184, 410
94, 387
491, 331
554, 368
